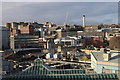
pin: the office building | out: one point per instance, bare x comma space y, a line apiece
4, 38
106, 62
24, 41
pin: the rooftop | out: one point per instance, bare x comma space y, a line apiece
38, 71
115, 56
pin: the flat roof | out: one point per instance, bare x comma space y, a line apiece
114, 59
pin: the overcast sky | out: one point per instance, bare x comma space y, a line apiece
96, 12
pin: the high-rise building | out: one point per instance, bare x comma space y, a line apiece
4, 38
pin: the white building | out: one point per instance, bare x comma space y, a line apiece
69, 41
56, 56
49, 55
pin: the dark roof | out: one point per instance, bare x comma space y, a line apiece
91, 33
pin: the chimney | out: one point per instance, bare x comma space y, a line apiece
106, 55
83, 20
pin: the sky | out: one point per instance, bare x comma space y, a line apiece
60, 0
61, 12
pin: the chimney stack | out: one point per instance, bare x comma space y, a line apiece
106, 55
83, 20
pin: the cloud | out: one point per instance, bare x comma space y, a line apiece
0, 14
96, 12
60, 0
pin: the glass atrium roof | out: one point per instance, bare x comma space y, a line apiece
39, 72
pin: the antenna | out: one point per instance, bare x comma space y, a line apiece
66, 18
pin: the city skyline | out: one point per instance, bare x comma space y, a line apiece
96, 12
60, 40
